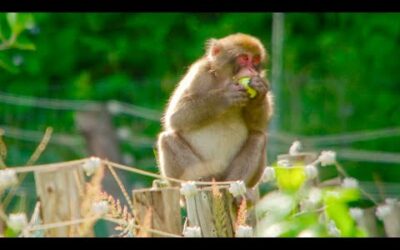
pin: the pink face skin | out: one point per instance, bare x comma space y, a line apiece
248, 64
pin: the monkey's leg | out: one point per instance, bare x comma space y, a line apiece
249, 162
177, 159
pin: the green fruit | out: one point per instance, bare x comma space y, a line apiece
245, 81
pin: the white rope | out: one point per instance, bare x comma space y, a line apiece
70, 140
368, 156
79, 105
150, 114
36, 136
73, 141
344, 138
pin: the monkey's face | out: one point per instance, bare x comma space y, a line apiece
247, 64
236, 55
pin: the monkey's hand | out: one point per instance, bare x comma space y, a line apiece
235, 95
261, 86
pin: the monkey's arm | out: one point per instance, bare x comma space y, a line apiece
196, 109
258, 110
193, 110
256, 115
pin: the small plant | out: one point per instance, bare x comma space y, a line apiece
302, 208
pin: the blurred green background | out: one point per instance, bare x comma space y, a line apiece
339, 89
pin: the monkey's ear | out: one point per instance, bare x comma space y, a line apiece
213, 48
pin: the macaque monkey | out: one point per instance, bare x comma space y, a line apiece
212, 128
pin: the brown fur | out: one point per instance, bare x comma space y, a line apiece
211, 127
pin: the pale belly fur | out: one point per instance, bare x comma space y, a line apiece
219, 142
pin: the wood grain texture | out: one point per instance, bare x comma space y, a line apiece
216, 216
165, 209
60, 196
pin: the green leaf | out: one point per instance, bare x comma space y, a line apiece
290, 178
8, 67
336, 202
19, 22
10, 233
24, 46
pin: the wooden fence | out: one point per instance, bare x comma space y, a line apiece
211, 209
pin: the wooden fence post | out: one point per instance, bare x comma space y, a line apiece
101, 140
60, 192
164, 207
303, 157
214, 214
391, 221
97, 128
368, 222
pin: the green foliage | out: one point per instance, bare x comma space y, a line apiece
299, 208
336, 202
10, 38
339, 74
290, 179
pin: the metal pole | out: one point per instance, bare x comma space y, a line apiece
276, 76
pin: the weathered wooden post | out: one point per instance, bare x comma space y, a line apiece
159, 208
2, 225
368, 222
389, 213
97, 128
303, 158
60, 192
212, 209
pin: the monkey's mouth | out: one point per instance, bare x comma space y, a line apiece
246, 71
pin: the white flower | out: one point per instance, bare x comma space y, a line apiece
91, 165
306, 234
295, 148
356, 213
382, 211
327, 158
8, 177
244, 231
315, 195
114, 107
332, 229
312, 200
192, 232
350, 183
311, 171
100, 207
188, 188
237, 188
274, 231
17, 221
269, 174
284, 163
391, 201
275, 205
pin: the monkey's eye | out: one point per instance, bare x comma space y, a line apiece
256, 60
243, 59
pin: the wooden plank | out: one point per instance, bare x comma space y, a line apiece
214, 214
392, 220
164, 204
60, 193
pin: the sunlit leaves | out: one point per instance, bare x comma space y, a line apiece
290, 178
19, 21
336, 202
